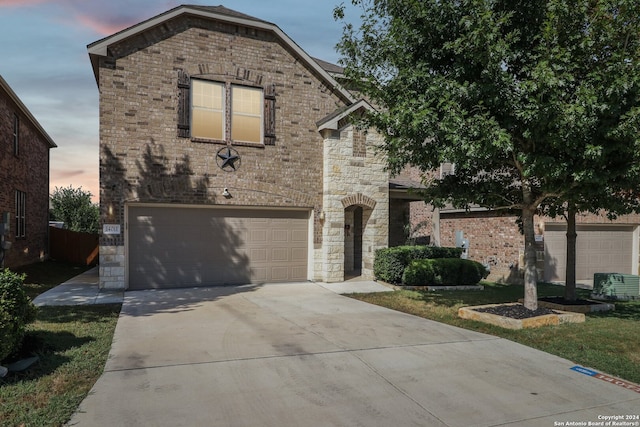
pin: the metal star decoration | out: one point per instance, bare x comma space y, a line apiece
228, 159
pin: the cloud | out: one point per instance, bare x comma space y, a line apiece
106, 26
65, 174
108, 17
20, 3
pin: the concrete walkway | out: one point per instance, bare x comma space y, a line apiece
301, 355
80, 290
83, 290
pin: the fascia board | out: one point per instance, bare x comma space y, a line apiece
23, 108
100, 47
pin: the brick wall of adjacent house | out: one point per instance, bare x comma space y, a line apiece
496, 240
143, 160
27, 172
493, 240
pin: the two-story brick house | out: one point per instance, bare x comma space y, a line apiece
24, 182
494, 238
227, 156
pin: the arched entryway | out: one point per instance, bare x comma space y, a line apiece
353, 242
357, 211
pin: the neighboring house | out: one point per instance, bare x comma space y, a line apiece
494, 239
227, 157
24, 181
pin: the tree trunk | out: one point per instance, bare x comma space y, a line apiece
570, 278
530, 272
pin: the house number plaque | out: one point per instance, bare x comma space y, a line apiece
110, 228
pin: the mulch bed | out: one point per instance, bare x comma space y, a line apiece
562, 301
515, 311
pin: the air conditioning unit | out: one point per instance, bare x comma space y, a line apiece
616, 286
447, 169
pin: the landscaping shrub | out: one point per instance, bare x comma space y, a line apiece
443, 272
16, 310
389, 263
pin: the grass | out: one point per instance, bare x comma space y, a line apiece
43, 276
607, 341
72, 342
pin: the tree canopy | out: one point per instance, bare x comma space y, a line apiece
536, 102
73, 207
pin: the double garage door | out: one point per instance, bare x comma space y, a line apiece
599, 249
171, 247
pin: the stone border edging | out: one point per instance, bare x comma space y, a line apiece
510, 323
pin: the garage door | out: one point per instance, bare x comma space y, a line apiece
599, 249
182, 246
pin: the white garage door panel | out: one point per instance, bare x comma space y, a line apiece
599, 249
177, 247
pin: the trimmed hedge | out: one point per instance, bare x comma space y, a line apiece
443, 272
16, 310
389, 263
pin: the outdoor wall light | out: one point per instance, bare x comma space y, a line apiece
321, 216
226, 193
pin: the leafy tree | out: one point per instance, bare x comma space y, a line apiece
73, 207
535, 101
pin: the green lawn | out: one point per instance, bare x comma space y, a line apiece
72, 342
607, 342
43, 276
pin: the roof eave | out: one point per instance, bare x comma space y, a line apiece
100, 47
23, 108
333, 121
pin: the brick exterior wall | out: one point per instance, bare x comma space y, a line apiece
142, 159
494, 239
27, 172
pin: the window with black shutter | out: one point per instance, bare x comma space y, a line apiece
213, 111
184, 104
270, 114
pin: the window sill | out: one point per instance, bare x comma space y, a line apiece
208, 141
248, 144
233, 143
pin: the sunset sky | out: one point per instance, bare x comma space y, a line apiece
43, 57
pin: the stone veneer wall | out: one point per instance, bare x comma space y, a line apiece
351, 179
143, 160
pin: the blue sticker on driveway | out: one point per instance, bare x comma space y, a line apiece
584, 371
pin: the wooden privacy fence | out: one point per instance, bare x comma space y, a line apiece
73, 246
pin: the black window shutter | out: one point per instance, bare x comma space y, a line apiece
270, 114
184, 106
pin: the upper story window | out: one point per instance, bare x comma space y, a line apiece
207, 110
246, 114
16, 134
225, 112
21, 214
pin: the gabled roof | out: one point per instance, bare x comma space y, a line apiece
4, 86
333, 69
332, 121
216, 13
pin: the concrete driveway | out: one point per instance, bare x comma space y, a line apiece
302, 355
